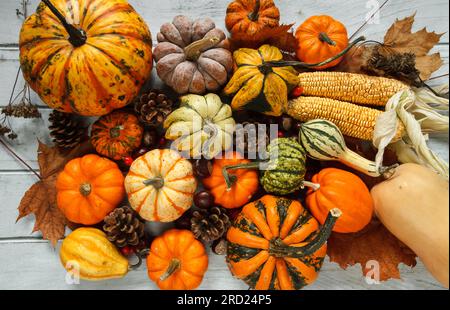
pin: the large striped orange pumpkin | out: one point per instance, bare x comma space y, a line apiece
275, 243
161, 185
85, 56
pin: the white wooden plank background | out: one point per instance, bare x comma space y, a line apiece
38, 263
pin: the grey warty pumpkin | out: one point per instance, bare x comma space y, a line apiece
193, 56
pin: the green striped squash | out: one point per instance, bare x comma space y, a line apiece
323, 140
286, 167
259, 245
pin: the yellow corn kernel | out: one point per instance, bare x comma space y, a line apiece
351, 87
354, 121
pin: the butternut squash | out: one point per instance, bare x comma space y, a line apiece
414, 205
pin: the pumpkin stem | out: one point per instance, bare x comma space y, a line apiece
231, 179
314, 186
174, 265
194, 50
279, 249
85, 189
77, 37
308, 65
115, 131
388, 172
325, 38
157, 182
254, 15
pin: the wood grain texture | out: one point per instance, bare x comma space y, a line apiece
51, 275
25, 251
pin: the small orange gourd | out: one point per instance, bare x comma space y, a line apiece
244, 182
116, 135
320, 38
251, 16
336, 188
177, 261
89, 188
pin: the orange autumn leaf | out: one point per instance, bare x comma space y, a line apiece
373, 244
280, 36
40, 198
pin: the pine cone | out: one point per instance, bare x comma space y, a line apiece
123, 227
153, 107
210, 225
250, 139
66, 131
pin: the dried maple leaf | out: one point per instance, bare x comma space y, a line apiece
280, 36
40, 199
401, 39
398, 39
374, 243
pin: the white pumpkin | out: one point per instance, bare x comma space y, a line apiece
160, 185
203, 125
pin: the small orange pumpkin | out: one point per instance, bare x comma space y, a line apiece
320, 38
336, 188
177, 261
116, 135
244, 182
251, 16
89, 188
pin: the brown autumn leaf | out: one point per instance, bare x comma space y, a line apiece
374, 243
280, 36
40, 199
400, 39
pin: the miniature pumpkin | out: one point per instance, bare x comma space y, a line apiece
88, 253
257, 85
89, 58
275, 243
89, 188
160, 185
177, 261
414, 205
336, 188
244, 182
320, 38
251, 16
193, 56
203, 125
282, 172
116, 135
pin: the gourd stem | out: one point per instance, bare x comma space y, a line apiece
115, 131
157, 182
77, 37
325, 38
228, 178
254, 15
194, 50
308, 65
389, 171
278, 248
174, 265
314, 186
85, 189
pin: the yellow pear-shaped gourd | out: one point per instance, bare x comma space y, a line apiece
88, 253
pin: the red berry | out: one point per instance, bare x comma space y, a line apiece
128, 160
297, 92
280, 134
204, 199
127, 251
162, 141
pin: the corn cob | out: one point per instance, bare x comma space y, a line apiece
350, 87
354, 121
